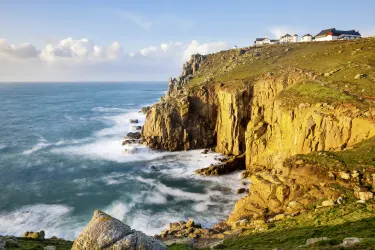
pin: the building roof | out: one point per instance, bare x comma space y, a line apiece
276, 40
335, 32
260, 39
287, 35
307, 35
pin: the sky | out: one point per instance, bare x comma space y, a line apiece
150, 40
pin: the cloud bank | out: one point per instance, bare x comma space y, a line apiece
83, 60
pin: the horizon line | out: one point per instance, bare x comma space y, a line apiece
104, 81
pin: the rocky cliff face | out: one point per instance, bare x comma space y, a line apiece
251, 118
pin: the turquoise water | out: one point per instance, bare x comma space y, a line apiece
61, 158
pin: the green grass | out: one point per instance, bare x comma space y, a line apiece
178, 247
336, 223
350, 57
34, 244
362, 155
315, 92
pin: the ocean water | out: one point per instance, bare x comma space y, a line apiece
61, 158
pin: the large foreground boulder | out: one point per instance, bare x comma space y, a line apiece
105, 232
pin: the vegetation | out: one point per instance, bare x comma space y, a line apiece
362, 155
335, 223
315, 92
38, 244
342, 60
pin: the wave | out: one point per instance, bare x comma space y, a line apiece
68, 117
54, 219
207, 206
42, 143
3, 146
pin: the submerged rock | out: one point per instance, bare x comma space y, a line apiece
133, 136
133, 120
136, 128
106, 232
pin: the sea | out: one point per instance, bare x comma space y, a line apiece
61, 158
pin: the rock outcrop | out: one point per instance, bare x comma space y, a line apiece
34, 235
230, 165
105, 232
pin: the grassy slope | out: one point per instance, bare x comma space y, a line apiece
348, 57
362, 155
33, 244
336, 223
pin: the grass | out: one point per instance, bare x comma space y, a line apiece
35, 244
349, 57
314, 92
362, 155
336, 223
179, 247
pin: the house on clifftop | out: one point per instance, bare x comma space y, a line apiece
265, 40
307, 38
334, 34
289, 39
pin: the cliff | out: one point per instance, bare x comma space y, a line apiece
271, 103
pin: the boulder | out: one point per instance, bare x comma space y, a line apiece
34, 235
50, 248
344, 175
190, 223
315, 240
350, 242
360, 76
328, 203
133, 121
242, 190
135, 128
364, 196
106, 232
133, 136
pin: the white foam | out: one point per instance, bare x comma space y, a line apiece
3, 146
117, 210
53, 219
103, 109
68, 117
42, 143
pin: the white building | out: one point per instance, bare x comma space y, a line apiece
265, 40
334, 34
307, 38
289, 39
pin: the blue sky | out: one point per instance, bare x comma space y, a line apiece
136, 25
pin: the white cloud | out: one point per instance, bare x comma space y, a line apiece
25, 50
83, 60
147, 51
79, 50
203, 49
